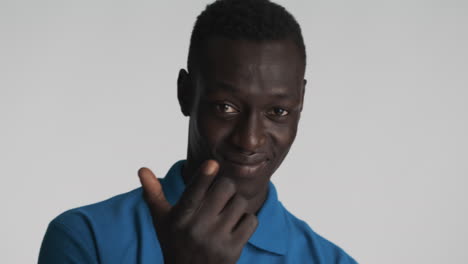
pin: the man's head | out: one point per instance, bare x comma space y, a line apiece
243, 90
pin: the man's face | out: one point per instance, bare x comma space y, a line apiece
246, 108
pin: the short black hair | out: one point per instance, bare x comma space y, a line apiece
256, 20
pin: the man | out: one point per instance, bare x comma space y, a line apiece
243, 91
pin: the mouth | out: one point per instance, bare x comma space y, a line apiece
250, 162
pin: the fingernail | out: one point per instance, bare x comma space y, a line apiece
211, 167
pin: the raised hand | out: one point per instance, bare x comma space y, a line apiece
209, 223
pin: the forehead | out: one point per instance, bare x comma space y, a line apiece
251, 66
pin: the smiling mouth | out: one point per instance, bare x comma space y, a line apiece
252, 161
247, 165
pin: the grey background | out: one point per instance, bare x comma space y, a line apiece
88, 96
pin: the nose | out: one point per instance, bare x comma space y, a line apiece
249, 135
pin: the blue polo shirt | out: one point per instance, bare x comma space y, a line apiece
120, 230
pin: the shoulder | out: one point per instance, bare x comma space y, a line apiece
105, 211
102, 219
304, 241
103, 231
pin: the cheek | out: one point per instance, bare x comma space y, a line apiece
282, 139
212, 130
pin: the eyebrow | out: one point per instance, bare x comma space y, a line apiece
233, 89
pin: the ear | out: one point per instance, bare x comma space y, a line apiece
303, 93
184, 92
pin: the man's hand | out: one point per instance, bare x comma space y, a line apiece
209, 223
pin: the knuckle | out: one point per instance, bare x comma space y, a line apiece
228, 185
240, 202
195, 234
252, 220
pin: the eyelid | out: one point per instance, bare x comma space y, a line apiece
278, 118
222, 103
272, 113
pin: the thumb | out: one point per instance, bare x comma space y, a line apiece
153, 193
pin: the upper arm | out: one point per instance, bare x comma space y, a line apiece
62, 245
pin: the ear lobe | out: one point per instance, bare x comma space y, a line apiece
184, 92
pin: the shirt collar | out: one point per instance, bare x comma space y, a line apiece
272, 231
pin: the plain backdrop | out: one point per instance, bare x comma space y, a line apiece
380, 163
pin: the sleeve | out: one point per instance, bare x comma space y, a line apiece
62, 245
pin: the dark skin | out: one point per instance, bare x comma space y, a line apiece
244, 105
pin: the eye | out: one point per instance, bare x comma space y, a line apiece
278, 112
226, 108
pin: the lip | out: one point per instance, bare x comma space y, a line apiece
246, 160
